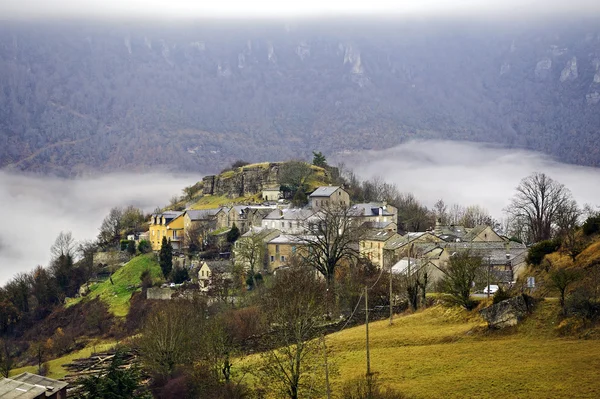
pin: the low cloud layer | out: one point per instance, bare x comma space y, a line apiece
36, 208
469, 173
269, 8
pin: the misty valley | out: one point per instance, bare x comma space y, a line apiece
299, 200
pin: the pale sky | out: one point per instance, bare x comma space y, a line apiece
286, 8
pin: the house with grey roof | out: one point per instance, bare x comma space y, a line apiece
255, 239
325, 196
289, 220
372, 243
282, 248
374, 212
505, 260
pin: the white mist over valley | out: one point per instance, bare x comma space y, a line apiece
469, 173
39, 207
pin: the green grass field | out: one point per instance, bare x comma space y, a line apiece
444, 353
55, 366
125, 282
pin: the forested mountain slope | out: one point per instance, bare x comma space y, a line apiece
101, 96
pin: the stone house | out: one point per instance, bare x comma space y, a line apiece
289, 220
281, 249
167, 224
209, 268
372, 244
255, 239
504, 261
378, 215
328, 196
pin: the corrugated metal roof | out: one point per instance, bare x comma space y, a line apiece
35, 379
10, 389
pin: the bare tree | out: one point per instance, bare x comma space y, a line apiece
538, 204
294, 175
63, 245
459, 275
331, 237
441, 212
170, 336
110, 230
250, 253
294, 307
412, 215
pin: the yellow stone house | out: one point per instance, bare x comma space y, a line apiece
167, 224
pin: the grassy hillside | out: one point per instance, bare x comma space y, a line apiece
215, 201
441, 353
125, 282
55, 366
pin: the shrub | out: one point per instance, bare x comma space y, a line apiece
180, 275
359, 389
538, 251
581, 304
123, 244
502, 295
591, 225
131, 247
144, 246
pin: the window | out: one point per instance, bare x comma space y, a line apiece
277, 248
290, 225
294, 250
282, 258
272, 258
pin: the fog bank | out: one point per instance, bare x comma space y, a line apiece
469, 173
36, 208
290, 8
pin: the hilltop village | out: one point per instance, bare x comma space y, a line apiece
261, 228
251, 270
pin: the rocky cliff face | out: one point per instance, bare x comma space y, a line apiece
241, 182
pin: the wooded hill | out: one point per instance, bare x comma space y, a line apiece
86, 97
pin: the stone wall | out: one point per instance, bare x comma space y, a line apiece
159, 293
111, 258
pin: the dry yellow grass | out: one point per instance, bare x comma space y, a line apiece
444, 354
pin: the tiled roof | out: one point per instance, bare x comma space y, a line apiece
369, 209
202, 214
379, 235
324, 191
288, 239
290, 214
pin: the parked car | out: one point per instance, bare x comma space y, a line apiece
491, 289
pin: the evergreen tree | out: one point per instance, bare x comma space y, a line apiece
117, 383
319, 159
166, 257
131, 247
233, 234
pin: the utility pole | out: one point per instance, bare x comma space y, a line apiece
391, 299
326, 368
367, 330
488, 275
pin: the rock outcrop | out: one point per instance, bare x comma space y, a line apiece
507, 313
241, 182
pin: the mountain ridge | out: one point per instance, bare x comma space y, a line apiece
107, 97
